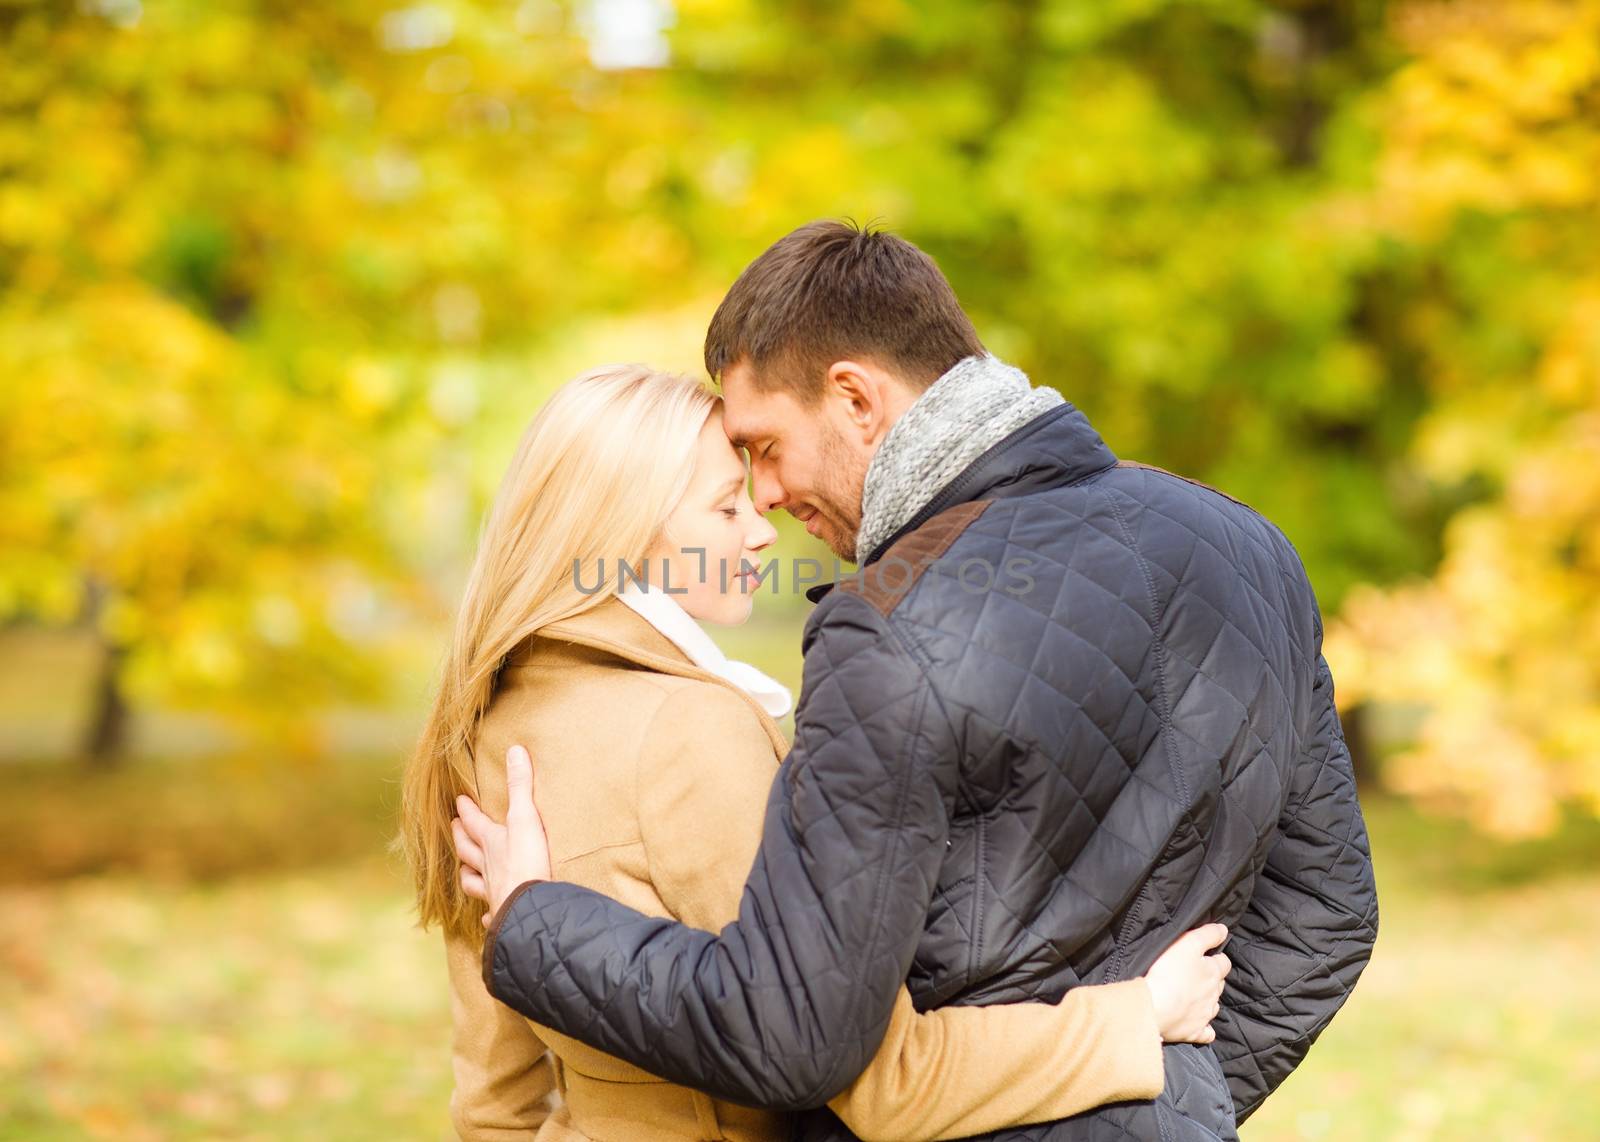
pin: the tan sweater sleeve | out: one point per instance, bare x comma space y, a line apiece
505, 1085
956, 1071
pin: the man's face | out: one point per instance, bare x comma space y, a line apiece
802, 459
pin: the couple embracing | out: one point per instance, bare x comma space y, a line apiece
1067, 845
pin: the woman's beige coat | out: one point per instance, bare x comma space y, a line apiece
652, 776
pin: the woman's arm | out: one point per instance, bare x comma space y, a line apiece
969, 1070
956, 1071
505, 1085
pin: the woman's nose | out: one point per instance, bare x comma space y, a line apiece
761, 535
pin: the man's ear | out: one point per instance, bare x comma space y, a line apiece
868, 399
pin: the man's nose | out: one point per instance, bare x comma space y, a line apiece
765, 490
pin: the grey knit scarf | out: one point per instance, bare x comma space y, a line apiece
978, 403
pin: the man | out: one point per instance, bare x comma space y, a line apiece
1068, 708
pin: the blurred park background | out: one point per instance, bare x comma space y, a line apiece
281, 283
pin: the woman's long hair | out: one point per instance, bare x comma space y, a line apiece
596, 475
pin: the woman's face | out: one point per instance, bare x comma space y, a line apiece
708, 558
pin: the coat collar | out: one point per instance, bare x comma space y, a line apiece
1054, 450
613, 628
662, 611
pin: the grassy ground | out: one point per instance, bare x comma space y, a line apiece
205, 950
297, 1005
211, 951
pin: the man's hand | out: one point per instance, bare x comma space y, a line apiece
495, 858
1186, 985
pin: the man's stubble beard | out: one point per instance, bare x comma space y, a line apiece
841, 480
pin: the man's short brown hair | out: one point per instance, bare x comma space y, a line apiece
832, 291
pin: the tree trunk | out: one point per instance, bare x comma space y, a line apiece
1358, 739
105, 744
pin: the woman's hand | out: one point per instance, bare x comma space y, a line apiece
495, 858
1186, 985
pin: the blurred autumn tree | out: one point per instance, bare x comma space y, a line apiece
267, 267
1489, 177
257, 261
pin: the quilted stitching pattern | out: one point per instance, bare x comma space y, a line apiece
1000, 794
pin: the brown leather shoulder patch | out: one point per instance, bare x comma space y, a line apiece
1185, 479
889, 579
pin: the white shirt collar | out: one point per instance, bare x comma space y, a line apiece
662, 611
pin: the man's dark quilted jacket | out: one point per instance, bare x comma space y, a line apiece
1075, 708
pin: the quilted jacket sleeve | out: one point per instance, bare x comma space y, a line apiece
1309, 928
788, 1003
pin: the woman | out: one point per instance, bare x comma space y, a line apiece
560, 649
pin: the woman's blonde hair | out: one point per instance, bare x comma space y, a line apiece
595, 477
